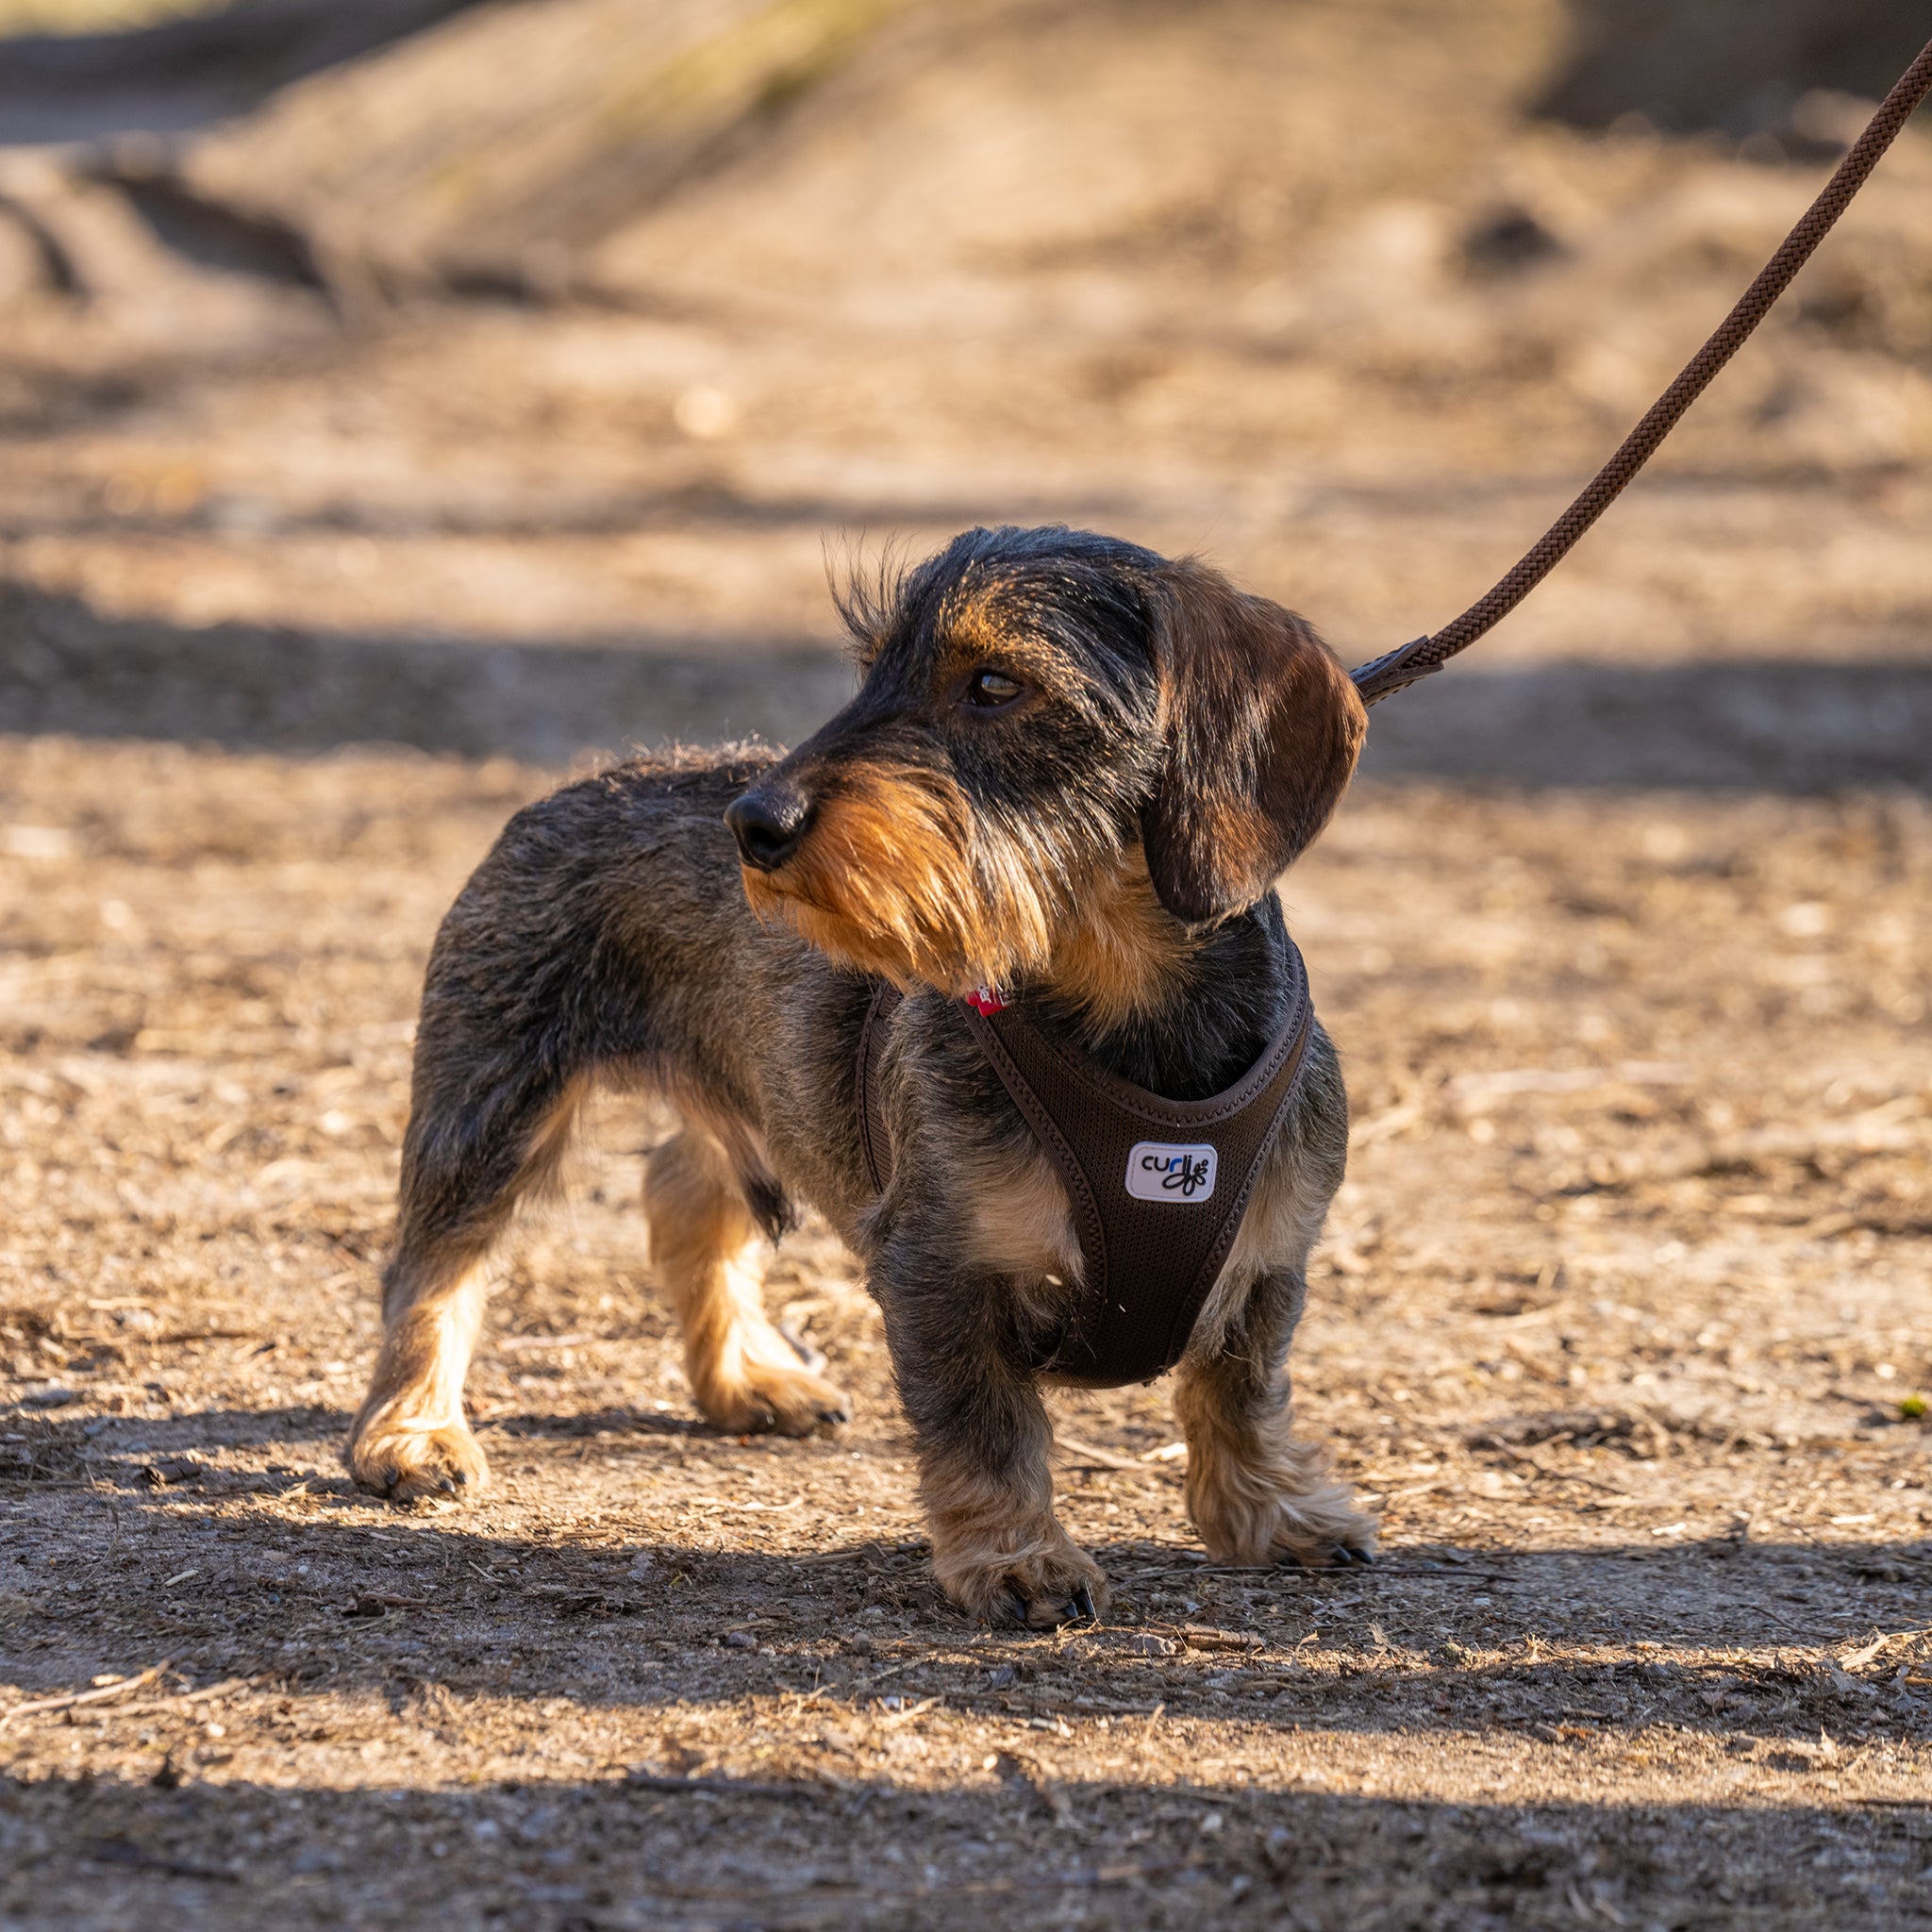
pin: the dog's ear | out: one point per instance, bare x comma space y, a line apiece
1261, 730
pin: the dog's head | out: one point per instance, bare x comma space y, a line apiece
1036, 705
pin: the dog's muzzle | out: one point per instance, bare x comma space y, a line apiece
768, 823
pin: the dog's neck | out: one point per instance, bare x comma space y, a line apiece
1181, 1012
1124, 958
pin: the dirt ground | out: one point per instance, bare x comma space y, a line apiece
1623, 1319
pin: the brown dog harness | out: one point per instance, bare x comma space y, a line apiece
1157, 1188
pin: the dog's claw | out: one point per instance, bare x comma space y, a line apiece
1346, 1554
1009, 1607
1012, 1610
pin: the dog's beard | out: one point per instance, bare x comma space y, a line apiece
900, 877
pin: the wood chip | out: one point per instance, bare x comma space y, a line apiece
73, 1700
1071, 1448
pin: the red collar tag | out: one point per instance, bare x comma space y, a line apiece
985, 1001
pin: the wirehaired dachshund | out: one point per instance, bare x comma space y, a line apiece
1074, 771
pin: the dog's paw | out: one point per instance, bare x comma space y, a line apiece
1048, 1606
1039, 1590
1334, 1556
1322, 1532
404, 1463
1252, 1523
769, 1399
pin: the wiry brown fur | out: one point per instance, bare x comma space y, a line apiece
1074, 768
708, 1251
1265, 726
901, 880
1120, 952
411, 1435
996, 1542
887, 886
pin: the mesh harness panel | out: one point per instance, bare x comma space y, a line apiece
1151, 1260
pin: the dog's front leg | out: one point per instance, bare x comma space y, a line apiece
1256, 1494
984, 1439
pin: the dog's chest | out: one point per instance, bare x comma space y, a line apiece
1015, 1215
1014, 1219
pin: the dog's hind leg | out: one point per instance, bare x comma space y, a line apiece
1254, 1493
707, 1250
473, 1150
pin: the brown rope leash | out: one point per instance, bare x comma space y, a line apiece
1400, 666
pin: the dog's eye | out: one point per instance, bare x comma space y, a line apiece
990, 689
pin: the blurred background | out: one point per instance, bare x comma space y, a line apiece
500, 377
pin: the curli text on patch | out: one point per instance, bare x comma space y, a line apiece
1159, 1171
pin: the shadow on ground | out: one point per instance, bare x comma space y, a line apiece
1762, 724
441, 1718
569, 1856
65, 668
1744, 724
454, 1599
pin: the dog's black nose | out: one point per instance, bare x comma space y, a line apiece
768, 823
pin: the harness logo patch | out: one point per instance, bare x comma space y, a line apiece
1157, 1171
